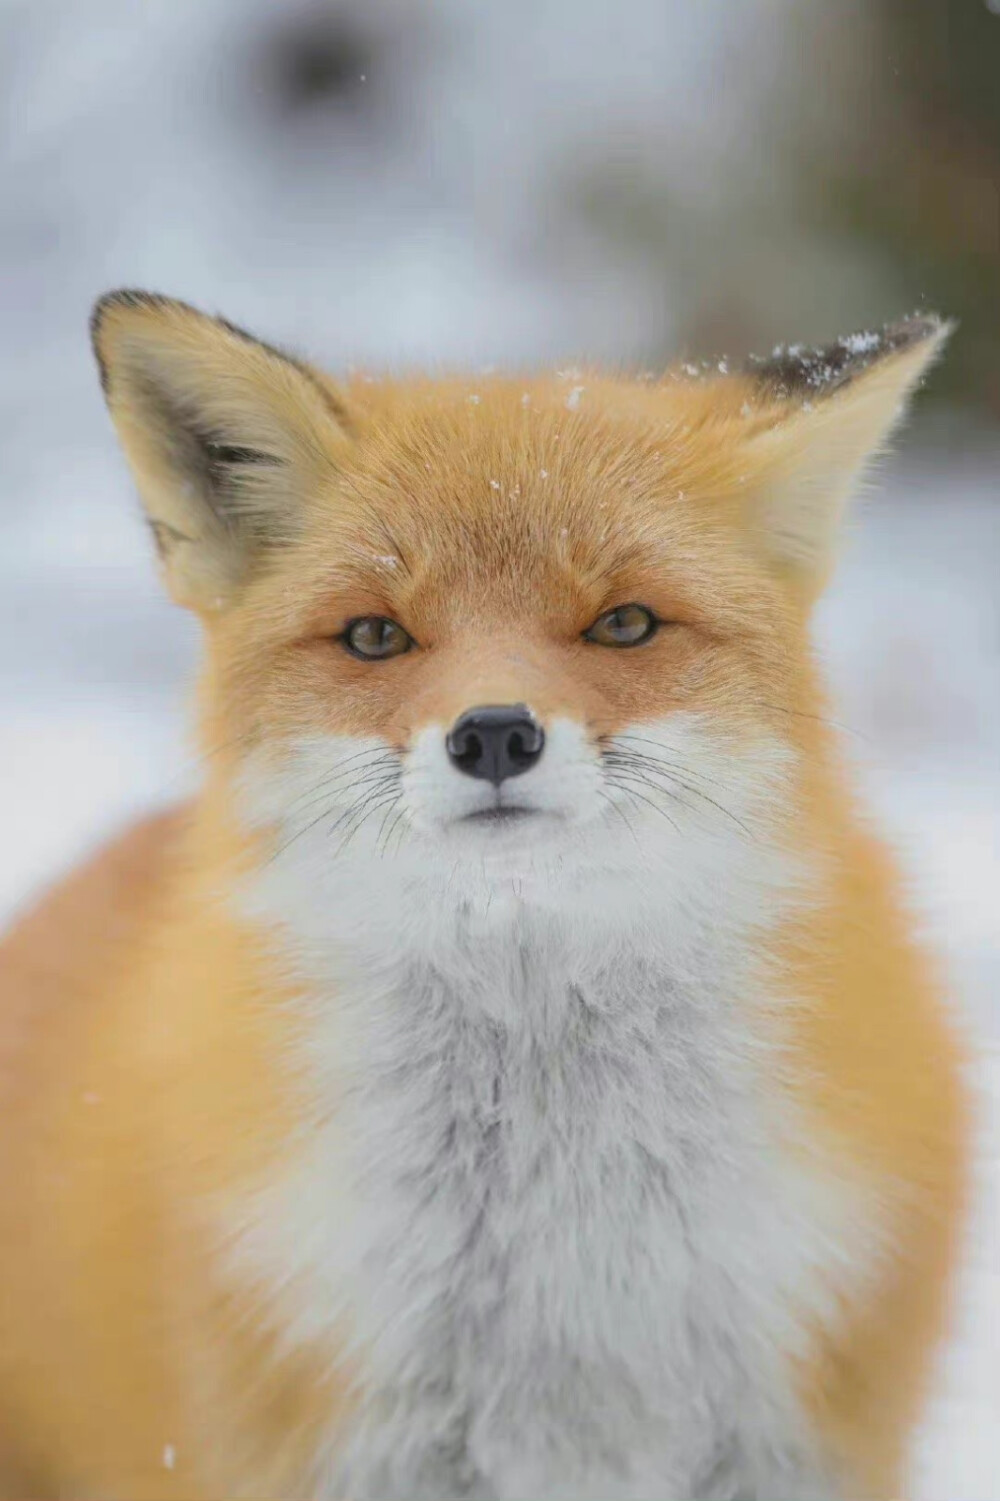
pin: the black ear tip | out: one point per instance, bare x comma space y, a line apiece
124, 297
177, 313
915, 329
136, 298
797, 370
108, 302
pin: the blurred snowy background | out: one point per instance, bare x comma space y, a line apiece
403, 181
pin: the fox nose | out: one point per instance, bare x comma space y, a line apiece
495, 741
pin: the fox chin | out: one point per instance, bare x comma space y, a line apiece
514, 1075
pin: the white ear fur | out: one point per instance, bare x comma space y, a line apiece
223, 435
834, 410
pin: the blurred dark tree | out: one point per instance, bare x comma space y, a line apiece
867, 185
318, 57
921, 183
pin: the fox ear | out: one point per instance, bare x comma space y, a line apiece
224, 436
817, 416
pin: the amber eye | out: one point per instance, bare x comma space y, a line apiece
374, 638
628, 625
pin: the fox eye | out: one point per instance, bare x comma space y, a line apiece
374, 638
626, 625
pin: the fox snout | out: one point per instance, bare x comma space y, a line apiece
495, 742
457, 771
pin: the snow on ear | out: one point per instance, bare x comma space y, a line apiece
821, 415
223, 434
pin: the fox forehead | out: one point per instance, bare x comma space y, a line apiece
513, 498
463, 456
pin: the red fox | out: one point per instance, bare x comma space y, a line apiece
513, 1075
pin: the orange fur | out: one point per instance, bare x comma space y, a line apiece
144, 1053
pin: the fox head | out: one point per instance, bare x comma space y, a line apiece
540, 630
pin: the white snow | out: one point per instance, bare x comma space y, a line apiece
862, 343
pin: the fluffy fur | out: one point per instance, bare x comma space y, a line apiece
378, 1151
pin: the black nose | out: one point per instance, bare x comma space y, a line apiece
496, 741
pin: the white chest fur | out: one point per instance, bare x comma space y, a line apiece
567, 1217
553, 1192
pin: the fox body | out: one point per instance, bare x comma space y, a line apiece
514, 1075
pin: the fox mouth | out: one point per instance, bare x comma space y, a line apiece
500, 816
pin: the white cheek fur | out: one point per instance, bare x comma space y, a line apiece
553, 1213
349, 830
